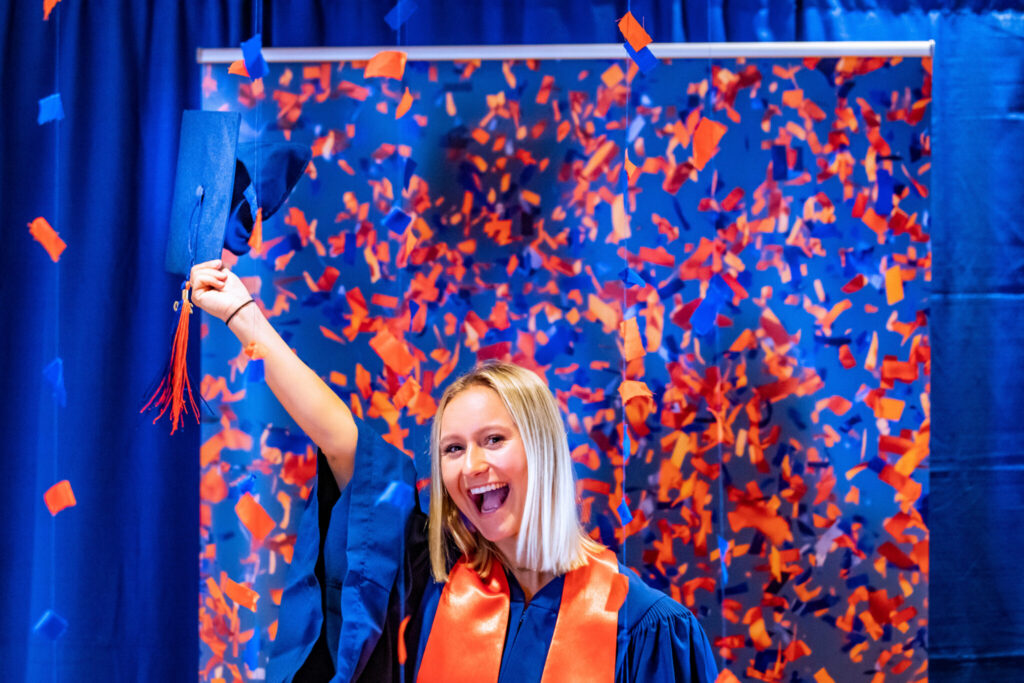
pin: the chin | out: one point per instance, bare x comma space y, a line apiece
496, 526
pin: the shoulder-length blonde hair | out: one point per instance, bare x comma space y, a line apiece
550, 536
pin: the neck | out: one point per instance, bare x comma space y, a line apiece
530, 580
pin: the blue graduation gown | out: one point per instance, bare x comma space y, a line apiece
362, 560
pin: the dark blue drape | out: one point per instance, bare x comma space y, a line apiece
121, 566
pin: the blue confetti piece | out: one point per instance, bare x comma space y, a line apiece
780, 167
723, 549
631, 277
252, 651
410, 167
50, 109
627, 444
51, 625
398, 494
644, 59
883, 205
719, 284
400, 13
54, 375
247, 484
292, 243
254, 371
703, 319
624, 514
634, 127
397, 220
252, 53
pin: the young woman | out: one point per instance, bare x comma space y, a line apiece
498, 583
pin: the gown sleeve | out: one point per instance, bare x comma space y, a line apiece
668, 644
351, 571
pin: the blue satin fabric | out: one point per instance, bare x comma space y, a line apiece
362, 550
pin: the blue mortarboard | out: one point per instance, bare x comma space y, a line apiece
219, 185
219, 189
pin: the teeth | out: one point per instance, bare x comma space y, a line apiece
487, 487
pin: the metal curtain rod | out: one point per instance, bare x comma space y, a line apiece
857, 48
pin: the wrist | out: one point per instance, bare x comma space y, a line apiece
239, 313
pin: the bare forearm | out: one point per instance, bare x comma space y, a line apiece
311, 403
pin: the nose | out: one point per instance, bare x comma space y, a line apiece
475, 461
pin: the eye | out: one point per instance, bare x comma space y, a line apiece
494, 440
451, 449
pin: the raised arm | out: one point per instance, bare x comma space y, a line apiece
315, 408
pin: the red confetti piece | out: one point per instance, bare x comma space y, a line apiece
252, 515
240, 593
43, 233
59, 496
633, 32
386, 64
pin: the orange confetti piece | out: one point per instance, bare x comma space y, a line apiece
544, 92
889, 408
606, 151
212, 487
893, 285
793, 98
821, 676
613, 75
404, 105
633, 347
387, 64
620, 220
633, 32
608, 316
705, 141
254, 517
43, 232
393, 352
48, 6
237, 68
59, 496
631, 389
402, 655
240, 593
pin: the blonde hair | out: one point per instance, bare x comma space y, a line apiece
550, 536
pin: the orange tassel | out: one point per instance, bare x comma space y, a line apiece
256, 238
175, 385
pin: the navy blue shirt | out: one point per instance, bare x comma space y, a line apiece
365, 565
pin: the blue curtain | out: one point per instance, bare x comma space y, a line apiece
121, 566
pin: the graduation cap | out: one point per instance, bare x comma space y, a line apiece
223, 191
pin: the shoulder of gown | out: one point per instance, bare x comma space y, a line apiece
663, 640
347, 567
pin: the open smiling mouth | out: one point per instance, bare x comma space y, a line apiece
489, 497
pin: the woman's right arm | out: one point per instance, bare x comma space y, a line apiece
311, 403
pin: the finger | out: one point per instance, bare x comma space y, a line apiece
205, 266
208, 282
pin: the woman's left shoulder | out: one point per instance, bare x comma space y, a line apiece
663, 639
647, 608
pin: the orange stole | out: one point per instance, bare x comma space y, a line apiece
468, 634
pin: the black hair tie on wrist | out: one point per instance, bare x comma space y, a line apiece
228, 321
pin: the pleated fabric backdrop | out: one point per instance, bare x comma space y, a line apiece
121, 566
